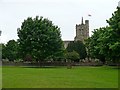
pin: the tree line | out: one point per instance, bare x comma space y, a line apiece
40, 40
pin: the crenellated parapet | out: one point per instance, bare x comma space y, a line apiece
82, 30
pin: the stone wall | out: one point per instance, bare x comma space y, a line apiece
57, 63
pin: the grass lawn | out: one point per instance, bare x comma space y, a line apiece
0, 77
60, 77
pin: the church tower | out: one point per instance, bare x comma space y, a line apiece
82, 31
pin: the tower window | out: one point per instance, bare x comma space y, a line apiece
81, 29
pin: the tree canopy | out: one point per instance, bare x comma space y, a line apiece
104, 44
40, 39
10, 50
73, 56
79, 47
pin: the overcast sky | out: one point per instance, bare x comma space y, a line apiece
64, 13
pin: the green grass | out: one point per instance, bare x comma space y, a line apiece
60, 77
0, 77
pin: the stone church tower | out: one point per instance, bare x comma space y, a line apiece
82, 31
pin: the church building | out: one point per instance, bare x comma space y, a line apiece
82, 32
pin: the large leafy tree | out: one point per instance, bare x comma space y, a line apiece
71, 56
10, 50
79, 47
104, 44
114, 45
39, 38
96, 46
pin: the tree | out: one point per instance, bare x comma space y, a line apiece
10, 50
79, 47
40, 38
71, 56
95, 45
87, 45
114, 45
70, 47
104, 44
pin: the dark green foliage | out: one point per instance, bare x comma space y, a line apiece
70, 47
95, 45
10, 50
104, 44
114, 34
70, 57
40, 39
79, 47
74, 56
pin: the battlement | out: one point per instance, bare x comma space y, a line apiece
82, 30
86, 21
